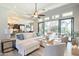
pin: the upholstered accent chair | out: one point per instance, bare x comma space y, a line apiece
64, 39
75, 42
54, 50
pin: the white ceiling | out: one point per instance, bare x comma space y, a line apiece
25, 9
29, 7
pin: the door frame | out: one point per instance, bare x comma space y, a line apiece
72, 26
59, 25
43, 26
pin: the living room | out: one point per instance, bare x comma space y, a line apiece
37, 31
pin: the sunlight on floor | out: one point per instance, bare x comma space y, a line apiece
68, 49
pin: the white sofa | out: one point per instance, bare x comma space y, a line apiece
27, 45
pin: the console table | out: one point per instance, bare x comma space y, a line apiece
7, 45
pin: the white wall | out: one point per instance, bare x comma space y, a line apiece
76, 18
4, 33
20, 21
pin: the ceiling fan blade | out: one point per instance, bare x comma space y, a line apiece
41, 15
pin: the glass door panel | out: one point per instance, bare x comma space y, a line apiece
41, 29
66, 27
51, 26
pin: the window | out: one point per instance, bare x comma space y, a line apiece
40, 29
57, 16
47, 18
67, 14
22, 28
53, 17
40, 20
29, 27
51, 26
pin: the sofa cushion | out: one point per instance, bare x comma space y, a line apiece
28, 35
20, 37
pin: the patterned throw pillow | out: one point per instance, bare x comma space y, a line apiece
20, 37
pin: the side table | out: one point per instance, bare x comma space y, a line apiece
7, 45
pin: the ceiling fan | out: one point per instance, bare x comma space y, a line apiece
36, 14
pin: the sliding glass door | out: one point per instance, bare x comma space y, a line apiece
66, 27
61, 26
51, 26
